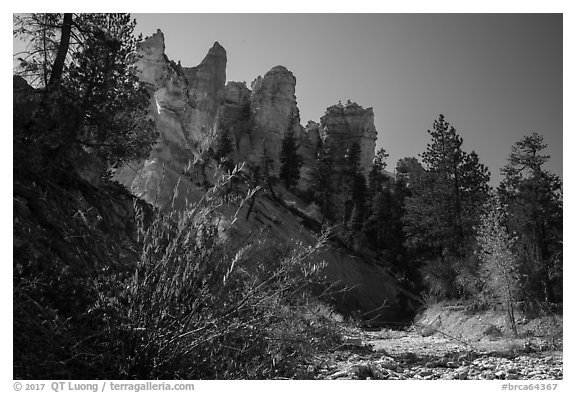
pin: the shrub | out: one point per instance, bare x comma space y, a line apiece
204, 304
200, 301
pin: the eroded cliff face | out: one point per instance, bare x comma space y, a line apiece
259, 119
273, 113
235, 118
206, 92
191, 106
186, 104
344, 125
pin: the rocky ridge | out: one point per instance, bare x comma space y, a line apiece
192, 105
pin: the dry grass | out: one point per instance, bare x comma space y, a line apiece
199, 303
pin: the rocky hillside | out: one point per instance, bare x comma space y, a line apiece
192, 106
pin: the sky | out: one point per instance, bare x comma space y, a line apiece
495, 77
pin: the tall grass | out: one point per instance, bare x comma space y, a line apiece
191, 296
203, 303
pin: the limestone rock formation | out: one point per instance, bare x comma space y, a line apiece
273, 113
186, 104
206, 93
235, 118
192, 105
259, 119
237, 93
339, 129
309, 142
187, 100
344, 125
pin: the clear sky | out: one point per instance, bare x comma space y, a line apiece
496, 77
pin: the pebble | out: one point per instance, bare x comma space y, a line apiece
422, 364
338, 374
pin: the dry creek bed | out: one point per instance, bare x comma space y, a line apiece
389, 354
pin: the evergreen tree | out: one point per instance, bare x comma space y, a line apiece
266, 172
111, 105
376, 177
445, 206
534, 204
224, 146
91, 95
49, 36
379, 217
322, 180
353, 182
290, 160
358, 198
409, 171
356, 220
352, 159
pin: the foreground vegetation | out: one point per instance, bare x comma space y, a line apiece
185, 298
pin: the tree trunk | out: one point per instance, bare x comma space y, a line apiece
58, 66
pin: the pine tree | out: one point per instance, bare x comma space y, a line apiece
266, 172
379, 218
445, 205
224, 146
356, 219
353, 182
352, 159
322, 180
534, 200
409, 171
290, 160
376, 177
91, 95
49, 37
358, 198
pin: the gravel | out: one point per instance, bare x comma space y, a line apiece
430, 358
